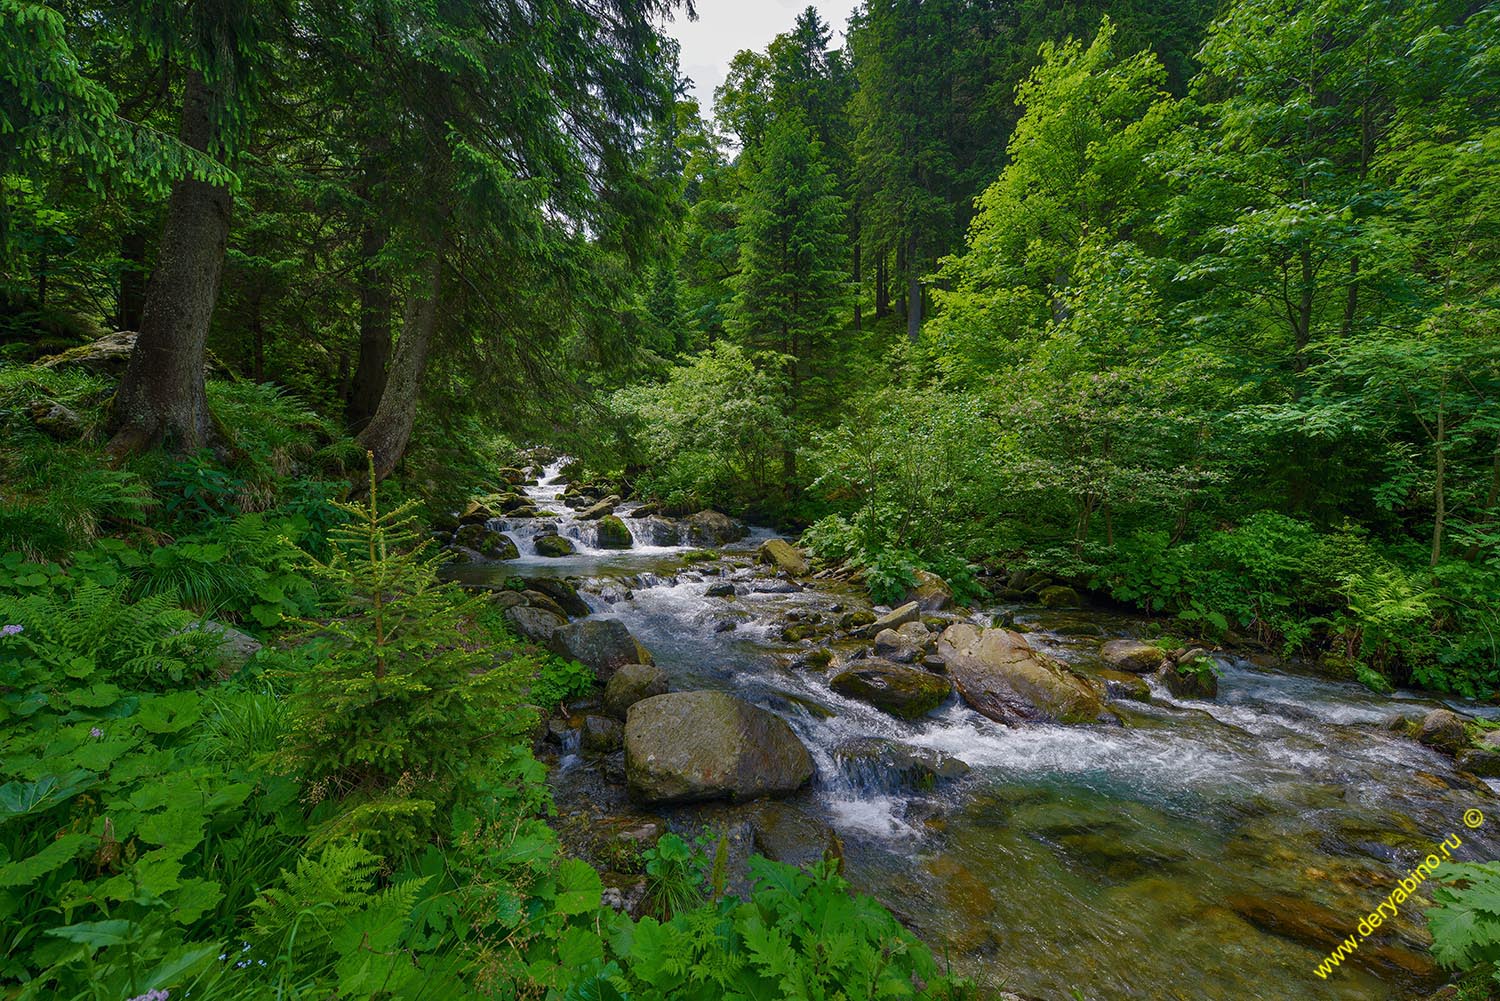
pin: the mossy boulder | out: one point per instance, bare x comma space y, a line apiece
882, 764
1058, 596
534, 624
1478, 761
904, 692
612, 533
997, 672
783, 556
604, 645
553, 546
630, 684
713, 528
560, 591
1187, 681
596, 511
688, 746
488, 544
1131, 655
1442, 730
930, 592
894, 619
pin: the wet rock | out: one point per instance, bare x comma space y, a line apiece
475, 513
875, 763
701, 556
726, 626
612, 534
506, 598
1442, 730
645, 510
560, 591
1185, 682
856, 619
905, 645
1481, 762
660, 532
789, 701
601, 735
529, 511
1302, 920
488, 544
719, 589
235, 648
998, 673
630, 684
904, 692
1123, 685
537, 599
553, 546
775, 587
687, 746
930, 592
534, 624
893, 619
783, 556
1058, 596
602, 644
596, 511
1489, 740
1131, 655
711, 528
786, 834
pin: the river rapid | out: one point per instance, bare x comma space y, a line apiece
1200, 850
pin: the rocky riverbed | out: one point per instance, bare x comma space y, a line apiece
1048, 796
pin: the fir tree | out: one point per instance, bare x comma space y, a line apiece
399, 714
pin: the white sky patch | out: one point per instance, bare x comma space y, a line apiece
724, 27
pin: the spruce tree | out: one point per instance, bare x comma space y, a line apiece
399, 713
792, 284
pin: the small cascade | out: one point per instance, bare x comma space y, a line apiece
650, 537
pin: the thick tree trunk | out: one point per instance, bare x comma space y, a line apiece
913, 306
161, 397
132, 279
390, 428
374, 335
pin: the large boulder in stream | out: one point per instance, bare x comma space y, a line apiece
488, 544
711, 528
613, 534
904, 692
596, 511
535, 624
930, 592
630, 684
1132, 655
894, 619
688, 746
782, 555
602, 644
1443, 730
553, 546
560, 591
999, 675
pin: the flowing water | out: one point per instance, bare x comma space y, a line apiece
1155, 859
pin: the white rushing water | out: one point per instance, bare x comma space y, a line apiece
1280, 778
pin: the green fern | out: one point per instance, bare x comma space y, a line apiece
1465, 924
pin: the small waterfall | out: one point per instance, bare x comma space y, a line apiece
649, 536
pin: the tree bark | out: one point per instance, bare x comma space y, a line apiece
882, 285
132, 279
1439, 489
389, 429
374, 334
161, 398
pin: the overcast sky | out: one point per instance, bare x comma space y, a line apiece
724, 27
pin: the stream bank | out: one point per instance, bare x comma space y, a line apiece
1182, 848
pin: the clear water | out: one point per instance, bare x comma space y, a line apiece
1119, 861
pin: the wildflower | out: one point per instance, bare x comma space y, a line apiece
152, 995
95, 732
223, 956
11, 629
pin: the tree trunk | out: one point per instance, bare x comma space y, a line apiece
857, 280
1489, 503
161, 397
1440, 461
132, 279
882, 285
374, 334
390, 428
